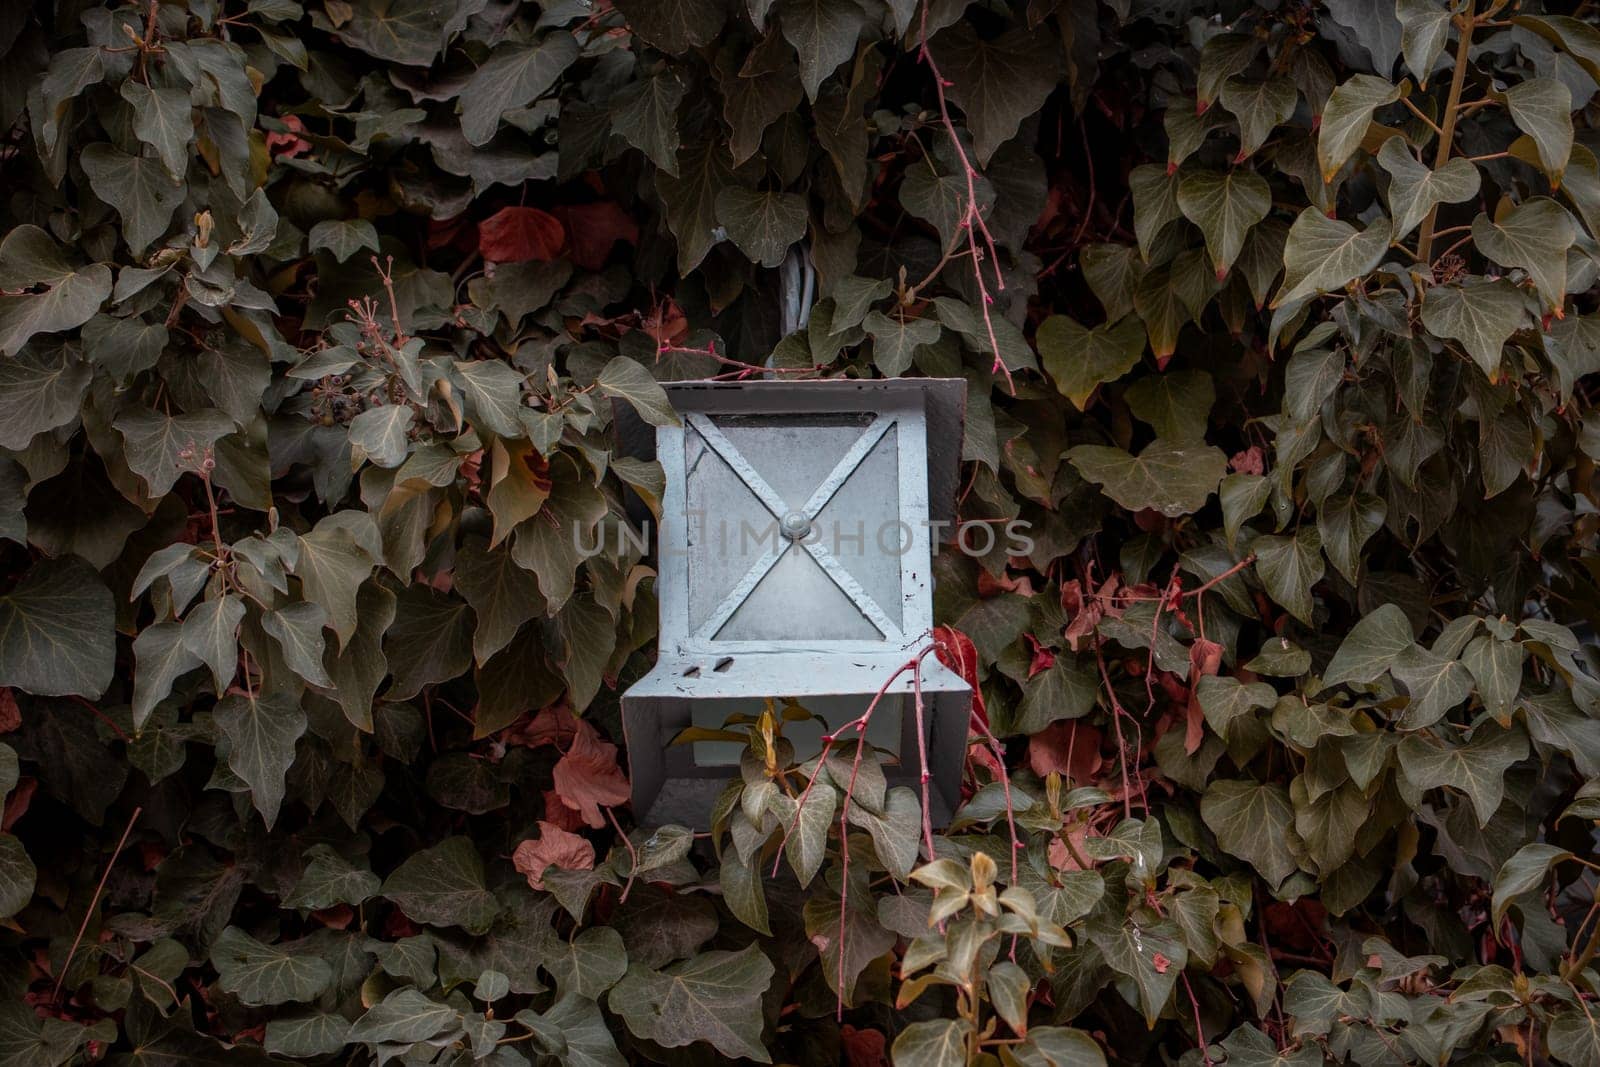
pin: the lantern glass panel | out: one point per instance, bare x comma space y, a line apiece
837, 477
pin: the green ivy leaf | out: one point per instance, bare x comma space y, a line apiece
1477, 768
823, 33
1324, 254
997, 82
30, 257
1289, 567
1480, 314
1254, 821
262, 974
1345, 119
1535, 236
1224, 205
1414, 190
1371, 647
261, 733
1081, 359
514, 76
1542, 109
939, 1043
762, 224
1169, 478
714, 997
1523, 873
56, 631
443, 886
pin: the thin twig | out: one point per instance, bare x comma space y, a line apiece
94, 903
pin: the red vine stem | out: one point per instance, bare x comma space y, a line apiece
972, 220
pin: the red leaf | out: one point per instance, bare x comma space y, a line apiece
554, 847
595, 229
588, 777
518, 234
864, 1048
10, 713
1070, 748
290, 143
1043, 657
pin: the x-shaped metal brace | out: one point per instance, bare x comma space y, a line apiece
713, 436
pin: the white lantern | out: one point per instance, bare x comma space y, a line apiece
795, 554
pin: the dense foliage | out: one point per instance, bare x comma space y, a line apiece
1280, 327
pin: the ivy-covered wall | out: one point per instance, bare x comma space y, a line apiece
1279, 323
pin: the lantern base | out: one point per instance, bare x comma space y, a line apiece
679, 783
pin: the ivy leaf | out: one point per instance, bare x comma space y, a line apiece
404, 1017
627, 379
1254, 821
863, 939
1436, 684
211, 634
1346, 116
938, 1043
1155, 203
262, 975
824, 34
163, 119
141, 190
1289, 567
1064, 690
1260, 107
331, 566
40, 390
514, 76
1347, 523
328, 879
17, 876
1172, 479
1081, 359
762, 224
1371, 647
57, 631
588, 964
1424, 29
714, 997
998, 82
430, 640
1542, 109
1153, 956
443, 886
306, 1036
705, 169
503, 596
1176, 404
160, 659
343, 237
297, 628
408, 32
744, 891
1324, 254
645, 115
161, 447
1523, 873
1574, 1036
1477, 768
1535, 236
1481, 314
1225, 205
1496, 667
261, 733
895, 340
807, 845
675, 26
1414, 190
30, 257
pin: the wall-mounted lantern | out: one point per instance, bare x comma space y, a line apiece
795, 553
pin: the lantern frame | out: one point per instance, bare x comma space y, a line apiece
694, 664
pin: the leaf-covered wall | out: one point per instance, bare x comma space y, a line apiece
1280, 330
